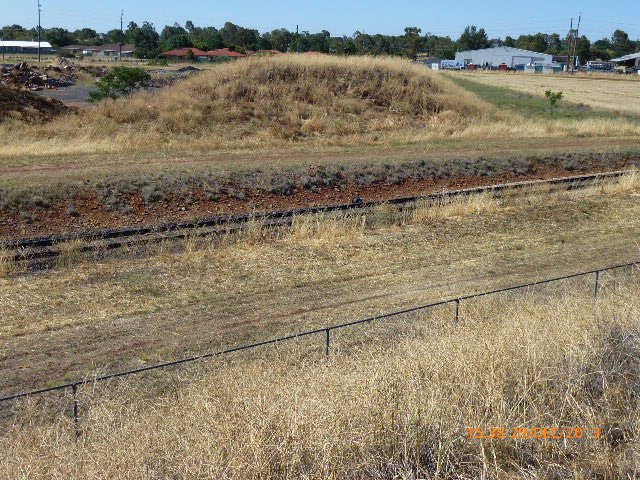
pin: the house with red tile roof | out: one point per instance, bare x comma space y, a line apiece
224, 52
268, 52
187, 53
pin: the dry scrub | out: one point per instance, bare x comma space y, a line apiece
396, 406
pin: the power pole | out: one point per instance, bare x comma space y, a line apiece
120, 39
39, 28
575, 43
571, 46
297, 40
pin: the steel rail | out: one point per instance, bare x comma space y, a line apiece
45, 247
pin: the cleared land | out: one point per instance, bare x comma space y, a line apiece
391, 402
618, 93
128, 313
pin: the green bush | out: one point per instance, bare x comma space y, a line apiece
120, 81
554, 97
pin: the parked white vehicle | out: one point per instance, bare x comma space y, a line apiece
451, 65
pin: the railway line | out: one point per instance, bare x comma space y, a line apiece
40, 252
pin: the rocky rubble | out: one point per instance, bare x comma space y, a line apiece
33, 78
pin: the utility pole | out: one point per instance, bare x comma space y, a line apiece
39, 28
571, 42
297, 40
120, 39
575, 43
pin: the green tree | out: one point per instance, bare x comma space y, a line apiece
145, 38
602, 49
473, 39
18, 32
620, 43
58, 37
554, 97
205, 38
412, 41
112, 36
120, 81
583, 49
87, 36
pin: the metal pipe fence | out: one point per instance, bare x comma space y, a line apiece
325, 333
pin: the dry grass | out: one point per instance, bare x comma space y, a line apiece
269, 101
287, 101
607, 92
456, 206
397, 406
261, 283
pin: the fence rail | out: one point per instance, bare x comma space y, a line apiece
325, 332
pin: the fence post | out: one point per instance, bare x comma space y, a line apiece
595, 288
74, 389
457, 312
327, 340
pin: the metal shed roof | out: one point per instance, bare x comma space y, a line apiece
22, 44
506, 50
631, 56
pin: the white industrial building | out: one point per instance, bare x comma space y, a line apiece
510, 56
10, 46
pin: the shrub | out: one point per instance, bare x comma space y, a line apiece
119, 82
554, 97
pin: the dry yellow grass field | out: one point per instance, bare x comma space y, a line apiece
608, 92
125, 313
396, 401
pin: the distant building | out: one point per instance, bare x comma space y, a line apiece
632, 60
268, 52
190, 53
494, 57
107, 50
224, 52
13, 47
183, 54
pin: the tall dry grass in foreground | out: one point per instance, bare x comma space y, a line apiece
394, 400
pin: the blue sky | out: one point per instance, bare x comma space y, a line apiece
499, 18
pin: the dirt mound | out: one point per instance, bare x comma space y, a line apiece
297, 97
272, 102
20, 104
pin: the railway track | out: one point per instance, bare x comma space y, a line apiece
39, 252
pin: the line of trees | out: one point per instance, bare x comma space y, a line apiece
150, 42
